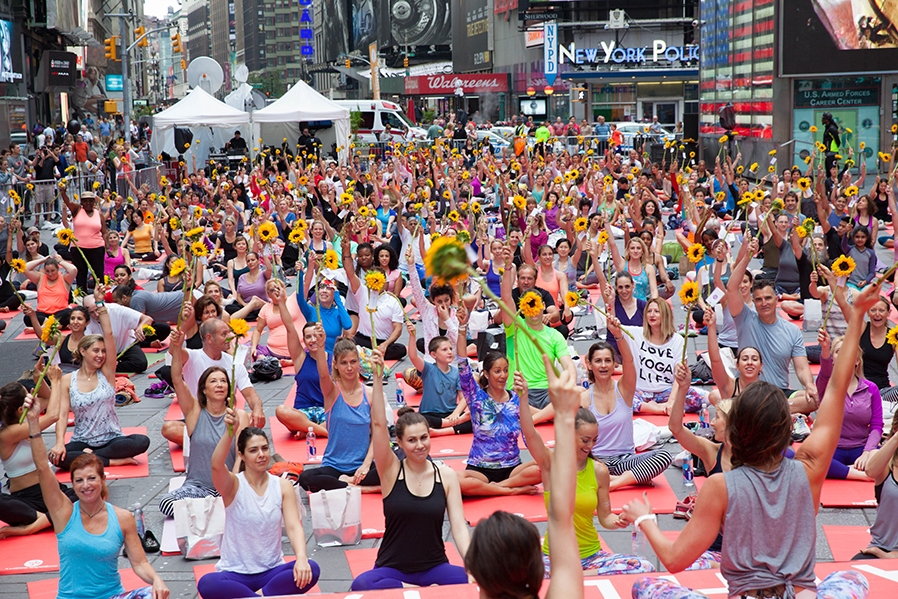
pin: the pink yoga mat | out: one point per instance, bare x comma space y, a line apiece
139, 470
29, 555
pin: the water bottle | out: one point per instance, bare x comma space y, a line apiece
139, 520
640, 543
687, 472
400, 398
704, 416
310, 444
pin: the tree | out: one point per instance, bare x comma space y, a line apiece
269, 83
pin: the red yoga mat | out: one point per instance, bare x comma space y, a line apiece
372, 516
30, 554
847, 493
138, 470
9, 315
661, 496
46, 589
176, 453
846, 541
293, 448
450, 446
362, 560
26, 335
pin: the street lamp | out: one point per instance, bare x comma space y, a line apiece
531, 92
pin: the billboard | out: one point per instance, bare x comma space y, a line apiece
364, 24
7, 73
419, 22
854, 36
337, 31
471, 31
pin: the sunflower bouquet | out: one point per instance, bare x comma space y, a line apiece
689, 295
238, 328
51, 330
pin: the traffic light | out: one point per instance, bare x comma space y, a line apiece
110, 45
138, 33
348, 64
176, 46
405, 62
183, 65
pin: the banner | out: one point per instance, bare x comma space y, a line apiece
446, 85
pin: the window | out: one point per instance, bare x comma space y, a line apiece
388, 118
367, 120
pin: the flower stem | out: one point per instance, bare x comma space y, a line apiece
685, 340
188, 290
605, 314
89, 267
232, 400
40, 379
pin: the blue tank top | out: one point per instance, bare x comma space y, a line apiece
348, 434
308, 385
494, 280
640, 284
88, 563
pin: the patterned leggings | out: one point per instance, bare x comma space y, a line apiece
694, 399
644, 466
838, 585
141, 593
606, 563
191, 490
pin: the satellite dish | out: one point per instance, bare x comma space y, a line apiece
242, 74
205, 73
257, 99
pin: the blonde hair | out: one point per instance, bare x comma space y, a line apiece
859, 365
84, 344
645, 250
667, 320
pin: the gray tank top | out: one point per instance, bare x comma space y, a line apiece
885, 529
96, 422
771, 530
206, 435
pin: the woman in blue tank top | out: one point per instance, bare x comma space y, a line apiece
348, 455
90, 533
763, 554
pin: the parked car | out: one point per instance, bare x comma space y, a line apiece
630, 131
498, 142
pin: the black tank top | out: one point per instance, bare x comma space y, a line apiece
65, 355
717, 545
876, 360
413, 532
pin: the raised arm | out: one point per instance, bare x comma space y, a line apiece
533, 439
108, 337
225, 481
58, 505
735, 303
384, 459
705, 449
186, 401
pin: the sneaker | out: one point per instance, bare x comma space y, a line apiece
157, 390
684, 508
800, 428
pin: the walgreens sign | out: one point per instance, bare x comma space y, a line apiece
447, 85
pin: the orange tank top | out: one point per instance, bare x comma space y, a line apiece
88, 229
52, 298
550, 286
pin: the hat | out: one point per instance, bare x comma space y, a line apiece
32, 230
88, 195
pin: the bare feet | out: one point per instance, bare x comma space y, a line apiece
123, 462
156, 344
4, 309
525, 490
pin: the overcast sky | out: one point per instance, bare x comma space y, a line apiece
158, 8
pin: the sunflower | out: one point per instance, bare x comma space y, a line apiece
65, 236
603, 237
446, 261
515, 166
296, 235
519, 202
50, 329
363, 211
771, 169
197, 212
418, 206
178, 266
851, 190
239, 327
771, 153
753, 167
375, 281
149, 218
331, 260
453, 216
721, 196
862, 145
267, 232
843, 266
475, 207
747, 198
723, 139
809, 224
689, 293
804, 184
695, 253
199, 249
465, 175
608, 180
164, 181
532, 305
17, 265
195, 233
777, 205
463, 236
813, 129
301, 224
801, 232
575, 174
739, 169
346, 198
148, 330
557, 180
892, 336
303, 180
571, 298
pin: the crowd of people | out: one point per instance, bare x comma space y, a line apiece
328, 260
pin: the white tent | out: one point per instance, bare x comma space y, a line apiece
212, 122
281, 119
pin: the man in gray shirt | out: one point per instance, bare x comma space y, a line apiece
778, 341
162, 307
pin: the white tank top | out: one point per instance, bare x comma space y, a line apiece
252, 538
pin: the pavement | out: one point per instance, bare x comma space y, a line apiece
16, 356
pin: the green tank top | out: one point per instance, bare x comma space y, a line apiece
585, 504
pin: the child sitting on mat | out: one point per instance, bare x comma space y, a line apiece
442, 402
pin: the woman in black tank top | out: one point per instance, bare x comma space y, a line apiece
416, 494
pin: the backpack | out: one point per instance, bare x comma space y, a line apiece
265, 369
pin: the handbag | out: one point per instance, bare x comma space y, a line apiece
490, 340
266, 368
337, 516
199, 526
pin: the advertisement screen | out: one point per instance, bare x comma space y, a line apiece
470, 30
7, 72
854, 36
364, 24
420, 22
533, 107
336, 31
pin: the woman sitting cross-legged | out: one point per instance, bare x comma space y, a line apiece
883, 468
593, 482
348, 455
257, 506
89, 393
494, 464
611, 404
416, 495
91, 532
204, 418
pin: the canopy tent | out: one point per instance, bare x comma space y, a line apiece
301, 103
212, 122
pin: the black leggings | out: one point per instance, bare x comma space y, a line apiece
62, 316
126, 446
436, 421
8, 296
22, 507
95, 256
134, 360
326, 478
235, 307
394, 351
163, 330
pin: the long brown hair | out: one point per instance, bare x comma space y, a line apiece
759, 425
504, 557
201, 385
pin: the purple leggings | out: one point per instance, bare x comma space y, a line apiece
391, 578
842, 460
231, 585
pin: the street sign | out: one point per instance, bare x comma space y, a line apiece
550, 51
114, 83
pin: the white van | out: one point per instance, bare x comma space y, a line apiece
378, 113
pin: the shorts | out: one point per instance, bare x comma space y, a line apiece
538, 398
315, 414
788, 392
493, 475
